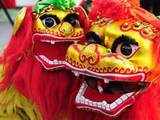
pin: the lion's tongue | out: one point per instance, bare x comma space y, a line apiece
94, 95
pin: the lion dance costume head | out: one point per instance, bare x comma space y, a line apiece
118, 68
116, 65
35, 57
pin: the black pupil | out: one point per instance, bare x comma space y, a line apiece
49, 21
126, 49
73, 21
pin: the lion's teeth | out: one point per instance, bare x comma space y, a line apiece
52, 42
100, 105
106, 81
119, 101
124, 97
76, 73
100, 89
55, 61
86, 101
48, 41
130, 94
94, 104
113, 105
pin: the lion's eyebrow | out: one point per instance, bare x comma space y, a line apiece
71, 15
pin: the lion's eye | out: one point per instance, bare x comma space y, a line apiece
126, 50
125, 46
73, 19
74, 22
50, 20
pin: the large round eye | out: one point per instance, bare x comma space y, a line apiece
125, 46
126, 50
50, 20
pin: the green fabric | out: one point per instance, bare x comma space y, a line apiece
59, 4
13, 106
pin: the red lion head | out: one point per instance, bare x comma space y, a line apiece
118, 70
35, 56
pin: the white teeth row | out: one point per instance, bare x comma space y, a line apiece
82, 89
76, 73
54, 41
101, 105
49, 41
54, 62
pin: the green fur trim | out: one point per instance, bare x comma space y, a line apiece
14, 106
58, 4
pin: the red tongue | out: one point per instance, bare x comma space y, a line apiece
94, 95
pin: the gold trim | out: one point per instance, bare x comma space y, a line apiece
19, 19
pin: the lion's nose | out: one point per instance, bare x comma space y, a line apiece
66, 29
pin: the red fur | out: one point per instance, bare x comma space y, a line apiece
47, 89
109, 8
146, 106
118, 9
18, 47
51, 91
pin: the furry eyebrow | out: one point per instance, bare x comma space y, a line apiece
92, 37
72, 15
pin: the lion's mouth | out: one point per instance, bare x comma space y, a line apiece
108, 96
110, 83
50, 50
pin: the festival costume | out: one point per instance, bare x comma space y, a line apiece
35, 85
118, 70
112, 78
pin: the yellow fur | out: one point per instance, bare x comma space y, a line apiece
14, 106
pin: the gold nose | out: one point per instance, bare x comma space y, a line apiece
66, 29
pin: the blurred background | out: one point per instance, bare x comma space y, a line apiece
9, 8
8, 11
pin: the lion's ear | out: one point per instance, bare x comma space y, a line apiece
19, 19
87, 4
